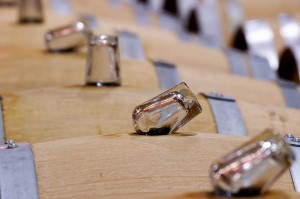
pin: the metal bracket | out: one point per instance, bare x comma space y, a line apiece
295, 168
167, 74
17, 172
2, 131
227, 114
290, 93
130, 45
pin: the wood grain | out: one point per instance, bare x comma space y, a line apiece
126, 166
45, 114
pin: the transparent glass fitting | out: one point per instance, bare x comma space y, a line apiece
30, 11
69, 37
166, 112
252, 168
103, 60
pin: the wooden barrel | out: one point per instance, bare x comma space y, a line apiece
203, 69
45, 114
133, 166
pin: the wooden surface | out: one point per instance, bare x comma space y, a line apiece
45, 114
125, 166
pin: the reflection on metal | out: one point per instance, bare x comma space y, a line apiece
167, 74
257, 37
295, 168
17, 172
289, 29
227, 114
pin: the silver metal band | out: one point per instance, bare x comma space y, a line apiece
211, 31
227, 114
61, 6
249, 65
260, 67
295, 168
258, 38
290, 93
17, 172
130, 45
141, 11
237, 62
167, 74
289, 29
2, 131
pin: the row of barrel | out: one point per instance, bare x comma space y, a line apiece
82, 137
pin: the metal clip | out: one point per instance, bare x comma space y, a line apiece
103, 61
17, 171
166, 112
295, 168
167, 74
30, 11
253, 167
69, 37
257, 37
227, 114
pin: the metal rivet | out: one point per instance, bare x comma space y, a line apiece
11, 144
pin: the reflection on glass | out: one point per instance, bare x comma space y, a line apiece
167, 112
253, 167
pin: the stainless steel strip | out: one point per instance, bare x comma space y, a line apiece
141, 11
290, 92
289, 29
61, 6
295, 168
260, 41
211, 31
2, 130
17, 172
130, 45
227, 114
237, 63
167, 74
260, 67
